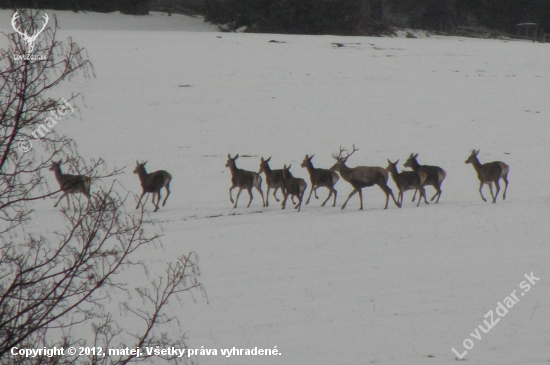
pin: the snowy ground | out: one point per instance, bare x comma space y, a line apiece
326, 286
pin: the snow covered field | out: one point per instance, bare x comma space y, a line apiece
326, 286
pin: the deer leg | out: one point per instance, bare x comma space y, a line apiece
285, 196
259, 188
335, 193
230, 196
310, 192
275, 194
480, 192
505, 178
491, 190
237, 198
349, 196
439, 191
498, 190
300, 197
61, 197
330, 192
388, 191
68, 202
423, 192
267, 196
139, 202
251, 197
361, 198
315, 191
158, 200
414, 197
167, 193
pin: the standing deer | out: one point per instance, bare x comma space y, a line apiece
294, 187
489, 173
70, 184
152, 183
436, 175
243, 180
273, 179
361, 177
408, 180
320, 178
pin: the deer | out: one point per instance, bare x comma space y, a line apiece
293, 186
320, 178
361, 177
70, 184
152, 183
408, 180
489, 173
28, 39
435, 178
243, 179
273, 179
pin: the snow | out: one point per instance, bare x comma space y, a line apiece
326, 286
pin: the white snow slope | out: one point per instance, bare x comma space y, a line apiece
330, 286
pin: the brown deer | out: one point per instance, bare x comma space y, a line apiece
436, 175
408, 180
70, 184
152, 183
320, 178
489, 173
273, 179
293, 186
361, 177
243, 180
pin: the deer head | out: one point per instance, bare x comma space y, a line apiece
139, 166
341, 160
28, 39
473, 157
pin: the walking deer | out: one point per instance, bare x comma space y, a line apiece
152, 183
361, 177
70, 184
489, 173
273, 179
243, 180
320, 178
436, 175
408, 180
293, 186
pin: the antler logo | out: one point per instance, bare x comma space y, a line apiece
28, 39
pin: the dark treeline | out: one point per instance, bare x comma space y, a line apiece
375, 16
346, 17
134, 7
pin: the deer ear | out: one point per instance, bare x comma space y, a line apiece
310, 157
415, 156
268, 159
236, 156
228, 156
396, 162
289, 166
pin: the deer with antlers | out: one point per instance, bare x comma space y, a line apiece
320, 178
408, 180
243, 180
435, 178
361, 177
294, 187
489, 173
70, 184
152, 183
273, 178
28, 39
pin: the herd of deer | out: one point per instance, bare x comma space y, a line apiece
359, 177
